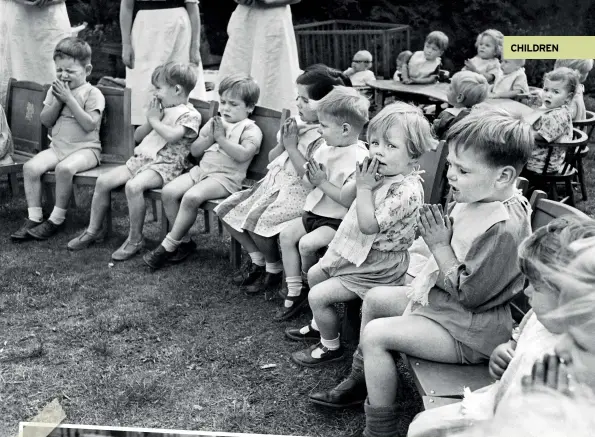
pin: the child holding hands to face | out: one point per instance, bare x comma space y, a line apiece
489, 49
165, 137
72, 109
370, 246
225, 146
342, 114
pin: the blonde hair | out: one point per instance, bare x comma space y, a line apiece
569, 76
439, 39
419, 134
501, 138
583, 66
345, 105
473, 86
404, 57
243, 86
496, 35
365, 53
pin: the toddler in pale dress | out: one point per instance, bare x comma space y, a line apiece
489, 49
225, 146
583, 67
72, 109
370, 246
512, 82
553, 121
342, 114
165, 137
360, 74
402, 60
423, 66
254, 217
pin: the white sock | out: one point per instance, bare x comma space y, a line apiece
314, 325
58, 216
35, 214
170, 244
257, 258
332, 345
306, 328
294, 287
276, 267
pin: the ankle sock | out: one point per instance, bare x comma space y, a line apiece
332, 345
257, 258
276, 267
35, 214
294, 287
306, 328
58, 216
170, 244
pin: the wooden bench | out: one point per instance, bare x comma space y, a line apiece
23, 105
437, 380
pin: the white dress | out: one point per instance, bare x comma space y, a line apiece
158, 36
28, 36
262, 44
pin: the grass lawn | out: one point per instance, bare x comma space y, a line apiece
180, 348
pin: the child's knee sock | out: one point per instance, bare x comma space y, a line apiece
276, 267
170, 244
58, 216
35, 214
294, 288
381, 421
257, 258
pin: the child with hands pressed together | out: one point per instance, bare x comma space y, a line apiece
370, 246
489, 49
342, 114
256, 216
225, 146
72, 109
422, 67
171, 126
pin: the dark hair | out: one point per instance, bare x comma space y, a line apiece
176, 73
75, 48
320, 80
243, 86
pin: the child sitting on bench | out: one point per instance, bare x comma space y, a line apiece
73, 109
542, 253
172, 125
225, 147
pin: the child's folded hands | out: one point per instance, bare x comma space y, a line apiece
289, 133
434, 226
316, 172
366, 174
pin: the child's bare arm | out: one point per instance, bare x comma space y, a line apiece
50, 113
241, 152
200, 145
316, 174
289, 139
142, 131
276, 152
366, 181
505, 94
171, 134
424, 80
87, 120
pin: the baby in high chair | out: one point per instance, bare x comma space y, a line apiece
489, 49
359, 72
423, 65
512, 82
402, 60
582, 67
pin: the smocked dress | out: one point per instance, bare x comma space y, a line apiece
278, 198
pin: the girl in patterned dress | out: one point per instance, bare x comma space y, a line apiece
165, 138
255, 216
370, 246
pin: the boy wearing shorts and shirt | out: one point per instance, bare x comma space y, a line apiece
73, 109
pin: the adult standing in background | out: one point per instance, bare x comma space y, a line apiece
155, 32
262, 44
29, 32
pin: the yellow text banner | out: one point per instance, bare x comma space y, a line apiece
549, 47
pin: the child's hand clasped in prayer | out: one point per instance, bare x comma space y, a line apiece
218, 129
434, 226
289, 134
316, 172
61, 91
500, 359
366, 174
552, 372
155, 111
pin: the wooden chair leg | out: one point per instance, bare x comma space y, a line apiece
351, 322
109, 217
207, 220
13, 181
49, 193
154, 206
569, 192
219, 225
581, 176
73, 200
235, 253
164, 223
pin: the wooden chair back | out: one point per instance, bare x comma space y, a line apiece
269, 121
207, 110
434, 164
587, 125
23, 106
572, 147
117, 133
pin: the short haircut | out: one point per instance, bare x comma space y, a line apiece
583, 66
569, 76
176, 73
345, 105
75, 48
243, 86
439, 39
501, 138
365, 54
473, 86
404, 56
498, 38
411, 120
320, 80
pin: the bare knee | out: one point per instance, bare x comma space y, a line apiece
287, 239
31, 170
372, 336
103, 185
133, 188
64, 171
317, 298
169, 195
372, 301
308, 246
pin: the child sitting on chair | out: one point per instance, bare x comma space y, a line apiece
402, 60
583, 67
423, 65
225, 146
6, 144
165, 138
512, 81
553, 122
545, 251
370, 246
466, 89
489, 49
342, 114
72, 109
359, 72
256, 216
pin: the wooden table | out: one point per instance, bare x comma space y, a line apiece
426, 93
512, 106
